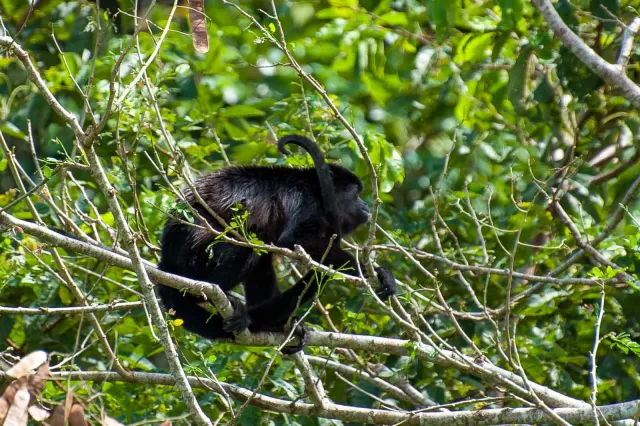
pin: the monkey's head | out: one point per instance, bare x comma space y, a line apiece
352, 210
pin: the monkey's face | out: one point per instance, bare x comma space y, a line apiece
353, 210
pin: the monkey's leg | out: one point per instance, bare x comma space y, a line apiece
196, 319
278, 312
261, 285
275, 312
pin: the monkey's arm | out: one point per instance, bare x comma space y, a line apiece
347, 264
196, 319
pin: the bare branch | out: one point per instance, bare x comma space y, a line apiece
313, 385
368, 415
124, 306
627, 43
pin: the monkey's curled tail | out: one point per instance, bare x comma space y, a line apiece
327, 187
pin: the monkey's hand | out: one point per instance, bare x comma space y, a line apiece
301, 333
388, 286
239, 320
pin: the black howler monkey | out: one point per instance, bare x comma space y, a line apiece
287, 206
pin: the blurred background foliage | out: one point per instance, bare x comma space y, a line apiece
451, 97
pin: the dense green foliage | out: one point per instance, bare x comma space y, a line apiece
467, 109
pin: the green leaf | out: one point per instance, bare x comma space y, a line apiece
597, 272
394, 18
334, 12
474, 49
233, 131
65, 295
511, 13
501, 40
236, 111
247, 152
46, 170
444, 12
465, 103
624, 343
344, 3
10, 129
376, 89
345, 61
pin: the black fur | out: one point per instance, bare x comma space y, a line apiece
287, 206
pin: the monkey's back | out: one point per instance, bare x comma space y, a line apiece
270, 194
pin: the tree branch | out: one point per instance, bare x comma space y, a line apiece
368, 415
610, 73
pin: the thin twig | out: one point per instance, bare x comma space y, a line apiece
593, 356
125, 306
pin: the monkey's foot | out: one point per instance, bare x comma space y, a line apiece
239, 320
388, 286
301, 333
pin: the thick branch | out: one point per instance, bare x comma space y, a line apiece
347, 370
367, 415
610, 73
420, 254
